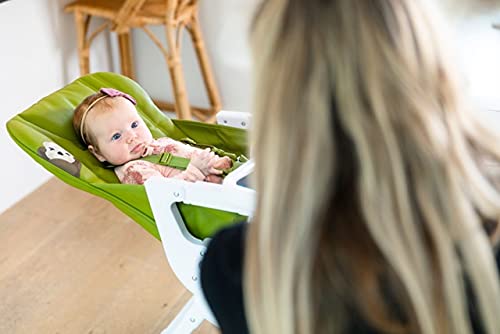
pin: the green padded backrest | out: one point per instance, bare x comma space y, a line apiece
50, 120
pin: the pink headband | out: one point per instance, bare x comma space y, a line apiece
108, 92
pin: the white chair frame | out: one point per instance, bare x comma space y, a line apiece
184, 252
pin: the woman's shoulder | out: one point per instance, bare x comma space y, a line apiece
226, 251
221, 278
231, 234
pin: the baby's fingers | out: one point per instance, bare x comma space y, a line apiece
215, 171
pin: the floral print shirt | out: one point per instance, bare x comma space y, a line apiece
138, 171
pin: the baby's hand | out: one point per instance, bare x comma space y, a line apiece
148, 150
192, 174
204, 160
153, 147
223, 163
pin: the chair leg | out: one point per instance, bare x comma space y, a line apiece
82, 23
203, 61
183, 110
188, 319
126, 58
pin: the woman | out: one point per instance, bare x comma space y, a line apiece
375, 214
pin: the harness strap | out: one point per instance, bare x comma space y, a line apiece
221, 153
167, 159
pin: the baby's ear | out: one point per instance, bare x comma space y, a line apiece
96, 154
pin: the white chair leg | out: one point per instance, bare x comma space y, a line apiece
183, 251
190, 317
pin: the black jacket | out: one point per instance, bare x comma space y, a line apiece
221, 281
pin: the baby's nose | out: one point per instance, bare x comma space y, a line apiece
131, 137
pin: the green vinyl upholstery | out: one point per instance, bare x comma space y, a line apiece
50, 121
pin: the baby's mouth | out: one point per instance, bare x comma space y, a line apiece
138, 148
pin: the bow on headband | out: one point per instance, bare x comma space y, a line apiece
111, 92
108, 92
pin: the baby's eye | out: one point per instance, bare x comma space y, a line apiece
116, 136
134, 124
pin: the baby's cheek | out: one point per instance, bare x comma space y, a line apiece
145, 133
123, 157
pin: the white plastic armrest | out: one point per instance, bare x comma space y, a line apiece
163, 193
241, 172
236, 119
223, 197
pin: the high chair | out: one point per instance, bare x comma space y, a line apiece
181, 214
163, 194
122, 15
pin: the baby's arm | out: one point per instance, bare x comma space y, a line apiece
177, 148
136, 172
223, 163
165, 144
205, 160
208, 163
191, 174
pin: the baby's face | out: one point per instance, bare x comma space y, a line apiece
120, 134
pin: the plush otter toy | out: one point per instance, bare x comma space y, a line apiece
59, 157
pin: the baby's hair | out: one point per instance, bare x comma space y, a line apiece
86, 137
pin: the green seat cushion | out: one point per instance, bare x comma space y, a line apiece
47, 124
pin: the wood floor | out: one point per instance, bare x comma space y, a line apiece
72, 263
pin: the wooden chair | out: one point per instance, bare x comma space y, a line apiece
122, 15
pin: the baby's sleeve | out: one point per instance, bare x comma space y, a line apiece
191, 174
136, 172
177, 148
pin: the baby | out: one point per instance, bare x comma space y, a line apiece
110, 126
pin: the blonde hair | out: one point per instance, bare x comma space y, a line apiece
376, 195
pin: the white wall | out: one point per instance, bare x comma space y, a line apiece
37, 56
225, 25
478, 46
478, 53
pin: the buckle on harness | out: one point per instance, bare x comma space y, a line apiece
165, 158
